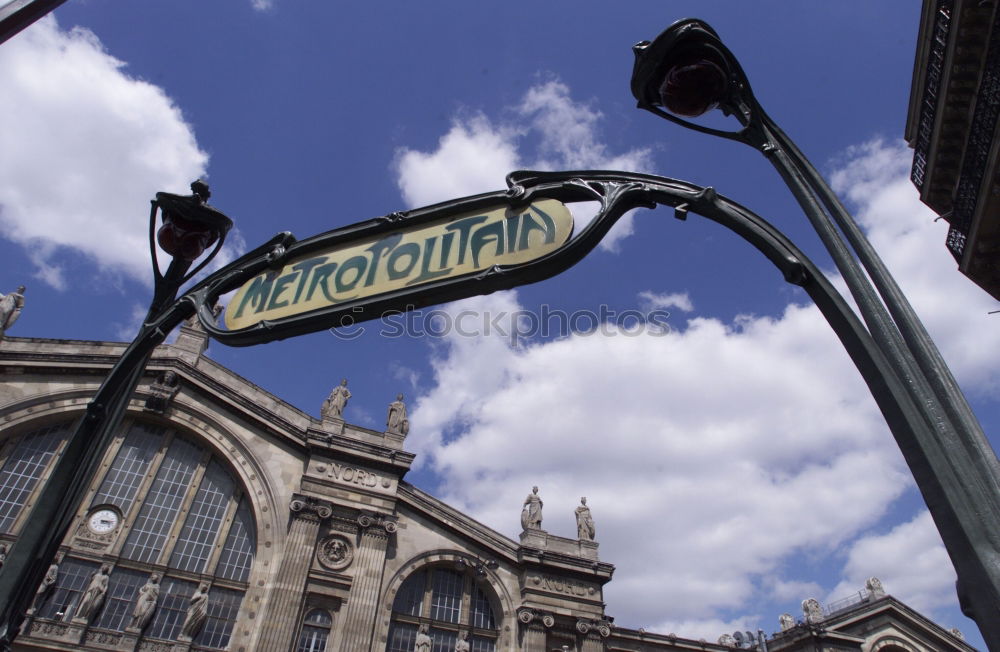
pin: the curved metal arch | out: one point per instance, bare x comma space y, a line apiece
617, 193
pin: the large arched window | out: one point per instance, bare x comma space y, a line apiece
166, 506
449, 601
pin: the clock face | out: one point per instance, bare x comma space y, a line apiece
103, 521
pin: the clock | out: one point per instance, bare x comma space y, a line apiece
103, 521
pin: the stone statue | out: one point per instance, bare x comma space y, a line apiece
333, 406
396, 420
93, 597
727, 640
787, 622
875, 588
584, 521
51, 575
162, 392
462, 644
423, 642
811, 610
10, 308
145, 604
531, 515
196, 612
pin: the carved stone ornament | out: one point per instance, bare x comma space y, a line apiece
11, 305
309, 507
372, 523
875, 588
162, 392
727, 640
786, 621
811, 610
589, 626
548, 620
335, 552
525, 615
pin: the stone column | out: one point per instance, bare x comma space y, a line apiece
533, 638
282, 616
534, 629
362, 604
592, 642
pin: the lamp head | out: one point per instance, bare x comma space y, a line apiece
686, 70
190, 225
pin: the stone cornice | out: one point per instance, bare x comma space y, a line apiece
378, 456
450, 517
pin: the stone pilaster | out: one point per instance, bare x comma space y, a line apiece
282, 617
533, 638
534, 629
593, 632
369, 561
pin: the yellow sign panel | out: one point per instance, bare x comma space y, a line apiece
434, 251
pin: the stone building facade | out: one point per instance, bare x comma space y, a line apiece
952, 124
226, 519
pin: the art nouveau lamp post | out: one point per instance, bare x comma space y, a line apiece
687, 71
189, 227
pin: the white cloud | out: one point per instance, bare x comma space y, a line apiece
711, 455
904, 231
476, 154
652, 301
86, 148
909, 559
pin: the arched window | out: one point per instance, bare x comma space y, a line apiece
450, 602
315, 631
166, 506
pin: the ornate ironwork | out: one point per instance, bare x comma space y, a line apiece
932, 89
944, 446
977, 149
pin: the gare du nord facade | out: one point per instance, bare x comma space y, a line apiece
298, 532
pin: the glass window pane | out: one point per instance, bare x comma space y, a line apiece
237, 554
169, 618
402, 637
313, 639
482, 612
148, 534
443, 641
123, 587
319, 617
315, 631
74, 576
223, 605
129, 466
23, 468
410, 595
203, 520
446, 597
481, 644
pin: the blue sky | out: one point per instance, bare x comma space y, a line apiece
734, 462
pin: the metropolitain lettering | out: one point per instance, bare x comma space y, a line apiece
402, 259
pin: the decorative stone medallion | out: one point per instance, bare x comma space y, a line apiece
335, 552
